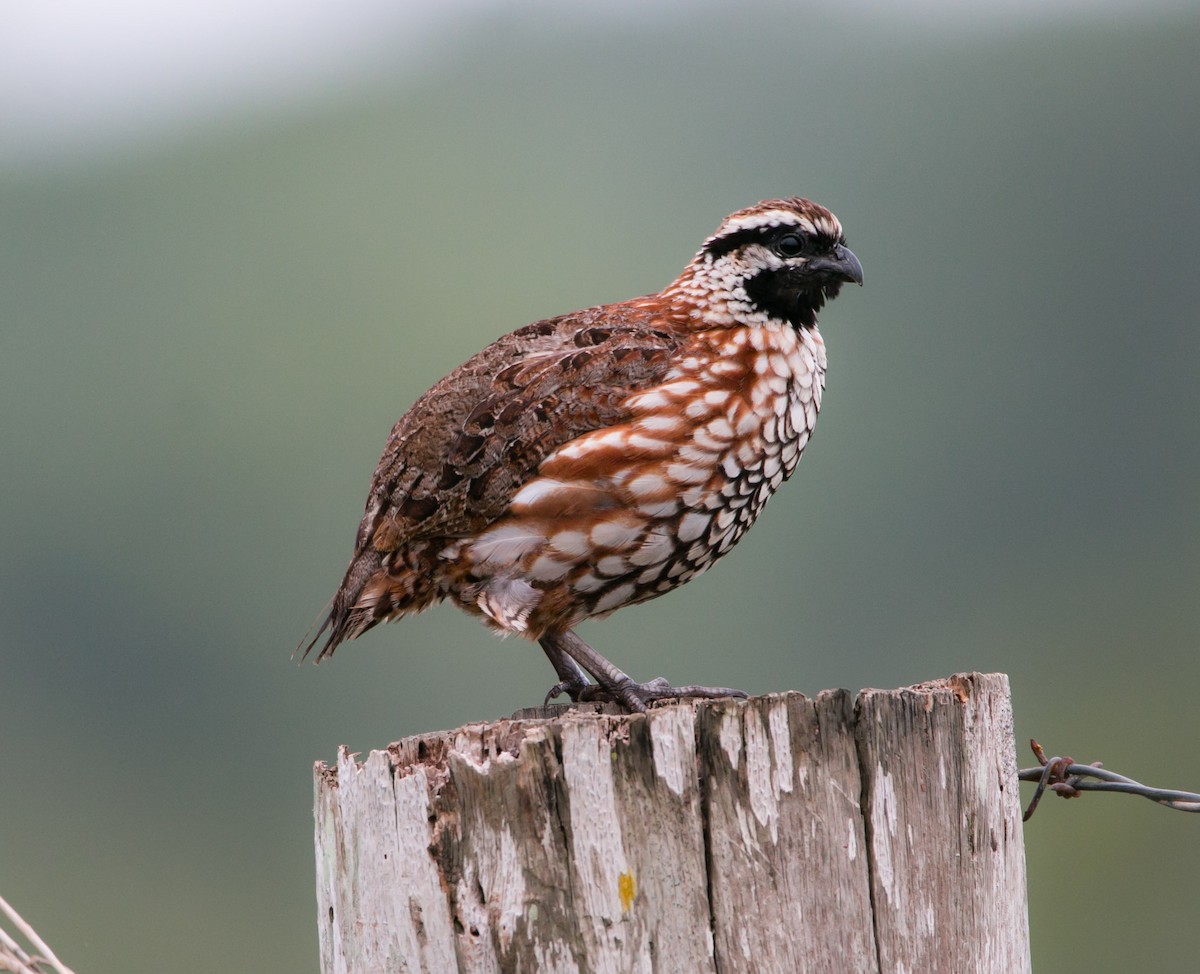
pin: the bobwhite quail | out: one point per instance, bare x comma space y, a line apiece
598, 459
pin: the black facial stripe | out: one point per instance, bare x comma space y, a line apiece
719, 246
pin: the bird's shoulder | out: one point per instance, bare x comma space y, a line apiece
454, 460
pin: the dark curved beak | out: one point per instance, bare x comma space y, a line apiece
839, 266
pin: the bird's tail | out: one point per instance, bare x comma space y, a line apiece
369, 594
300, 653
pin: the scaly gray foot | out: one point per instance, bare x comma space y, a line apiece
571, 657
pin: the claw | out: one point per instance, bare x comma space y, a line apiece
573, 658
645, 694
638, 696
573, 688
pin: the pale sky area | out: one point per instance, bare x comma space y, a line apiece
83, 74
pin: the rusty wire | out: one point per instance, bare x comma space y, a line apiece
1066, 778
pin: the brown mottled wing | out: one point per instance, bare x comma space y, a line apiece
455, 459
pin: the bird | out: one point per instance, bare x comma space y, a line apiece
602, 458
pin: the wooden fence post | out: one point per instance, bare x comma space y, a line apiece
773, 835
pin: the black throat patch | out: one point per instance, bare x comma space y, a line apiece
776, 293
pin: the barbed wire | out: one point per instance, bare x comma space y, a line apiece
1066, 778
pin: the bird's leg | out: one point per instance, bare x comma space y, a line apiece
613, 683
571, 678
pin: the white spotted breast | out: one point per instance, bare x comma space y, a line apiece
623, 514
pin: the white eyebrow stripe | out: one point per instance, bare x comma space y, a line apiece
769, 218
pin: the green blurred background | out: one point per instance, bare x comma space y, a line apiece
209, 322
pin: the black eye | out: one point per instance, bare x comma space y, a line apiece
789, 244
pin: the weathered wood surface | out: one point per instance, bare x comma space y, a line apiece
779, 834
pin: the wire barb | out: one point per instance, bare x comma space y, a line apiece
1068, 779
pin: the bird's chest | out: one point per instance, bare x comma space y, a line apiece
628, 512
740, 405
763, 390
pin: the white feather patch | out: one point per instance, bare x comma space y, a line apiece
505, 544
659, 423
508, 602
570, 543
614, 598
615, 534
647, 485
655, 548
538, 489
692, 525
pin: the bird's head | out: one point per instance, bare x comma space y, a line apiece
779, 259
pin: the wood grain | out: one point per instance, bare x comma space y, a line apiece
876, 833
